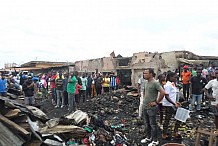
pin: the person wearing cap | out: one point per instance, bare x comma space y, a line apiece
28, 89
3, 87
186, 75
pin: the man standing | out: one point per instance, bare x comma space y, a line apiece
3, 82
59, 82
211, 71
106, 83
28, 88
194, 70
141, 83
112, 81
65, 89
89, 86
71, 90
197, 84
186, 75
83, 89
152, 87
214, 85
98, 84
53, 88
117, 82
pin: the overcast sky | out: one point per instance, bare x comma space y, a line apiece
70, 30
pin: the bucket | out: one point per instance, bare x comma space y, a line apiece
173, 144
182, 114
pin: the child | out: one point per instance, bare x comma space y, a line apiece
78, 87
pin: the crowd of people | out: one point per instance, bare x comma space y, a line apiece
66, 89
157, 97
161, 97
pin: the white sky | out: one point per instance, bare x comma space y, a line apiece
70, 30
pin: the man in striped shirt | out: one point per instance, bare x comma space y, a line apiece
113, 81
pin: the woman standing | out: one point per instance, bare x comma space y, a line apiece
170, 103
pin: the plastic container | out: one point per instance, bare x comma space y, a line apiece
173, 144
182, 114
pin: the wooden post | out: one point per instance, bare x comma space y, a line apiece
197, 141
212, 134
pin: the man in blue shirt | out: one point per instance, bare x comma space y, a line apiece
3, 82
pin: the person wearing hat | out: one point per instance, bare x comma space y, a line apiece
186, 75
28, 88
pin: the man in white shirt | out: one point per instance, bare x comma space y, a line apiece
214, 85
141, 85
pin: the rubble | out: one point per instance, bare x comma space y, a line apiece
26, 123
110, 119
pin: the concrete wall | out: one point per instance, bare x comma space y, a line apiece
170, 60
141, 57
105, 64
143, 60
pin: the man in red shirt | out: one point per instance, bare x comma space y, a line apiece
186, 75
117, 82
53, 88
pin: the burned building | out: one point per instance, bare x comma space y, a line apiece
130, 69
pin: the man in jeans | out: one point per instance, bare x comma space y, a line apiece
59, 90
214, 85
83, 89
53, 88
71, 90
65, 89
28, 89
89, 87
150, 102
186, 75
197, 84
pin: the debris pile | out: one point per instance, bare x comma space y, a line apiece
23, 125
110, 119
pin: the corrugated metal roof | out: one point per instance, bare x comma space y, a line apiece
7, 137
